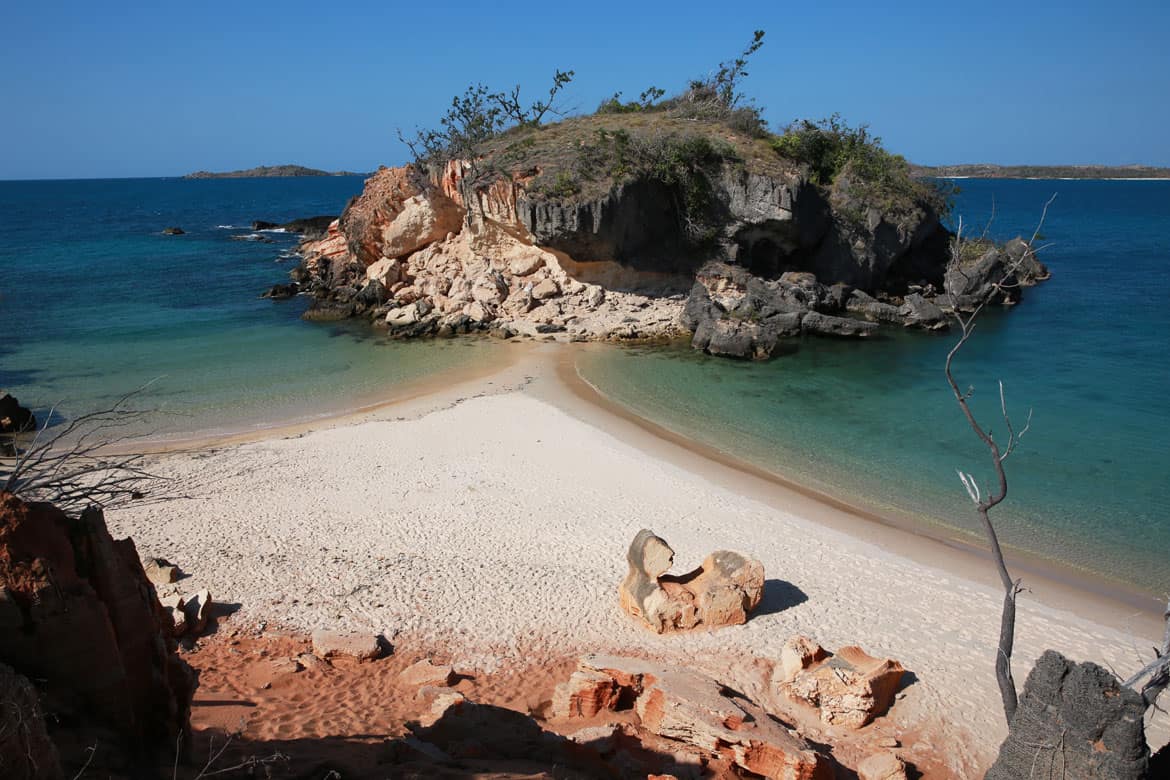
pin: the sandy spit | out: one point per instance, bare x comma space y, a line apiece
492, 519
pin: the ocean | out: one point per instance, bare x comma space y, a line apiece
95, 301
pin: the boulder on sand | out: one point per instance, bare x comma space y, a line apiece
14, 418
723, 591
849, 688
328, 644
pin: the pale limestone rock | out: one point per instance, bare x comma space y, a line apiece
426, 673
387, 271
546, 289
422, 221
363, 647
197, 610
526, 262
849, 688
882, 766
723, 591
799, 653
160, 571
489, 288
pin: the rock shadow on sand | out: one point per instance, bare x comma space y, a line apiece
779, 596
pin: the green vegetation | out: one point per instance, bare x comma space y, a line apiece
837, 154
680, 141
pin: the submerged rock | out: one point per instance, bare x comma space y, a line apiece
173, 231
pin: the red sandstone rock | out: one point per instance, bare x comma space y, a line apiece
723, 591
585, 694
849, 688
882, 766
679, 704
77, 612
426, 673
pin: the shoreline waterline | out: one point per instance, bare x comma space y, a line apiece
1052, 584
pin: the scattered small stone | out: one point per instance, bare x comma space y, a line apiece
311, 662
364, 647
160, 571
426, 673
888, 742
197, 608
286, 666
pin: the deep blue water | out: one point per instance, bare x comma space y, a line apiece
95, 301
1087, 351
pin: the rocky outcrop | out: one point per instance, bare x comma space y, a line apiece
1074, 721
308, 227
173, 231
14, 418
722, 591
64, 578
780, 258
734, 313
993, 273
690, 708
848, 688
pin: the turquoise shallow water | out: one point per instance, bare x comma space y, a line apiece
1087, 351
94, 302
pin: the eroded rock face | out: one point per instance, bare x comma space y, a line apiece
63, 578
691, 708
849, 688
723, 591
1074, 721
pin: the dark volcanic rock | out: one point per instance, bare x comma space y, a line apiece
736, 314
1076, 722
827, 325
173, 231
78, 615
14, 418
280, 292
328, 311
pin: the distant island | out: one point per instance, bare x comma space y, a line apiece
987, 171
269, 171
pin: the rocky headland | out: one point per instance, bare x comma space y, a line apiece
628, 226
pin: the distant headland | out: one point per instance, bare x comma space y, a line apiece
269, 171
987, 171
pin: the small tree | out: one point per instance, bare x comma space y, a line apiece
999, 452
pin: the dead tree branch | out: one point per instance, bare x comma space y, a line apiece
985, 503
73, 468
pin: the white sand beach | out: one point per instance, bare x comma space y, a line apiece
491, 518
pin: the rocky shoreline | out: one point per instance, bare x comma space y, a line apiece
453, 253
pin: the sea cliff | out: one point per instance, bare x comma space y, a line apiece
735, 244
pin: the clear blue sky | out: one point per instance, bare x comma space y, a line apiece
158, 89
